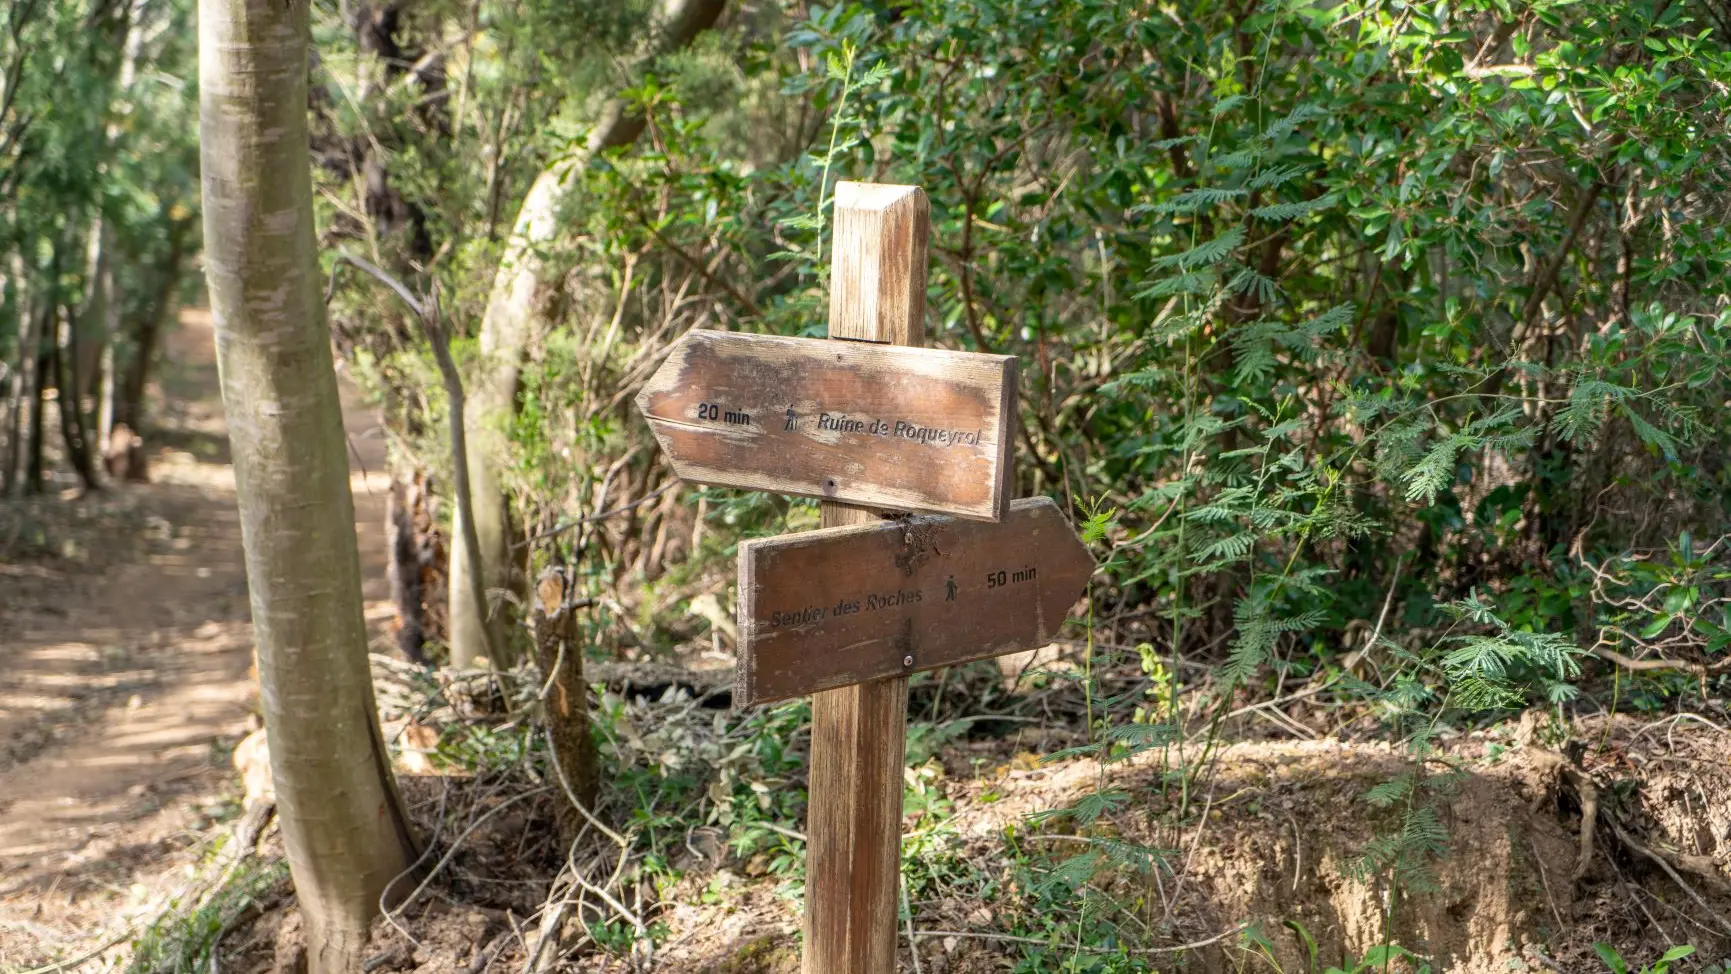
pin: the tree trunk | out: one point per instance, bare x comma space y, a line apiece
566, 706
404, 571
130, 409
8, 401
19, 379
92, 310
105, 360
33, 438
513, 318
73, 428
343, 823
108, 306
31, 483
41, 369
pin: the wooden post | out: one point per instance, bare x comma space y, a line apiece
859, 733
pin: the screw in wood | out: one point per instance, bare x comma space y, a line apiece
907, 661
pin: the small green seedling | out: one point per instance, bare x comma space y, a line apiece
1381, 958
1615, 962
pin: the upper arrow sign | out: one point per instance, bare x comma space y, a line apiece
835, 606
910, 429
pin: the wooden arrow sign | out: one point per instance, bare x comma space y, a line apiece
836, 606
910, 429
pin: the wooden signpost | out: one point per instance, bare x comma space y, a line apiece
835, 606
848, 611
912, 429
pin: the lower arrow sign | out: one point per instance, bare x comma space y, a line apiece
835, 606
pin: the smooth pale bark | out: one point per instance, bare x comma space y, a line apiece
514, 317
105, 361
343, 823
106, 380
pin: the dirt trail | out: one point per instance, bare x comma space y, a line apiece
123, 691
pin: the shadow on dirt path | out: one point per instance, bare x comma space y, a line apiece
124, 689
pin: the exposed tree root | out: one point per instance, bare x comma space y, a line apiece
1665, 864
1567, 773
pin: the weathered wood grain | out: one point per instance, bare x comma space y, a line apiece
854, 824
911, 429
837, 606
859, 733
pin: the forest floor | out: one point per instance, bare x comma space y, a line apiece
126, 668
126, 684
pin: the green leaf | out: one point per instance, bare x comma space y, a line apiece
1292, 211
1389, 792
1070, 874
1278, 177
1098, 525
1227, 104
1651, 435
1304, 937
1231, 548
1298, 116
1434, 472
1091, 806
1197, 200
1203, 254
1676, 953
1197, 283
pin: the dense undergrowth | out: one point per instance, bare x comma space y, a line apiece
705, 808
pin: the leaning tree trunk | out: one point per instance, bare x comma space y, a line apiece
343, 823
513, 319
